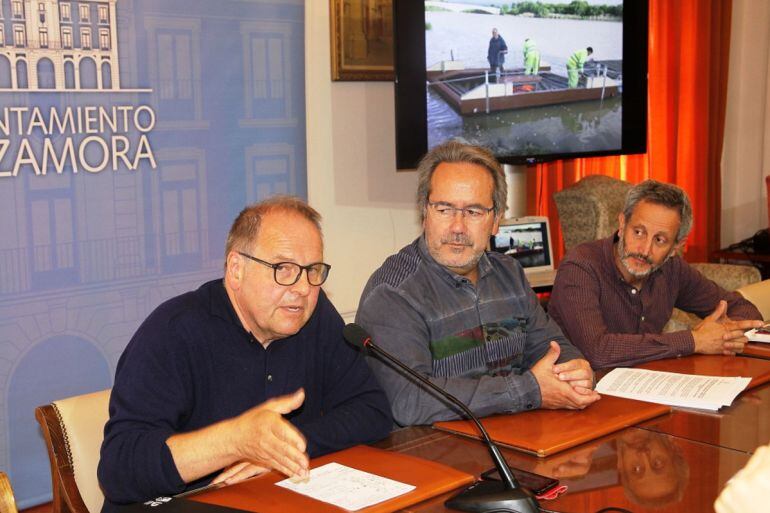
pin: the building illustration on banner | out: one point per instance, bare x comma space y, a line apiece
94, 238
60, 45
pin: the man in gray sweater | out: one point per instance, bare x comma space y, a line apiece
464, 317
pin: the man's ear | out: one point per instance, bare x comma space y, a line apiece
234, 269
621, 223
678, 248
496, 226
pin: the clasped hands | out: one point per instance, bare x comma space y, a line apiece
565, 385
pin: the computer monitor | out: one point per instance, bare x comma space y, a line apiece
445, 89
528, 240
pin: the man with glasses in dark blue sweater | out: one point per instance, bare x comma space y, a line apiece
246, 374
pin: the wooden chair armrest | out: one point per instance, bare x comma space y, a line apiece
66, 497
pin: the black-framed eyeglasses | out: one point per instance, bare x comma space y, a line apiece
445, 211
288, 273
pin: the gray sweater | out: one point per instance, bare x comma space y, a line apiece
476, 342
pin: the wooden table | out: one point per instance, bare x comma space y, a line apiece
636, 469
757, 350
742, 426
675, 463
715, 365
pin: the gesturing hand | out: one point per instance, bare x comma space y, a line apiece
268, 440
718, 334
238, 472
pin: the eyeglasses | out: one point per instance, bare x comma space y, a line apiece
446, 212
288, 273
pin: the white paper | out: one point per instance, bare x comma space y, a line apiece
674, 389
346, 487
758, 334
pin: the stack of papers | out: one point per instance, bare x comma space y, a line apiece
674, 389
759, 334
346, 487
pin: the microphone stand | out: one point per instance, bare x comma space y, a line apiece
505, 495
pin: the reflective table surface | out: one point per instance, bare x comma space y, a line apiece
635, 469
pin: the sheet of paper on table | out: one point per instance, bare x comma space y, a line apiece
674, 389
347, 487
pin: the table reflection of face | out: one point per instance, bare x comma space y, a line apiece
651, 468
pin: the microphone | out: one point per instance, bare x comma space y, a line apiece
480, 497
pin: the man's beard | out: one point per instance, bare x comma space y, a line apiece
625, 256
461, 239
457, 238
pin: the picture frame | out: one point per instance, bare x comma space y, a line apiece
361, 40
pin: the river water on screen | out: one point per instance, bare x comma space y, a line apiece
564, 128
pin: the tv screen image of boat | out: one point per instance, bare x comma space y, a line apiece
527, 243
530, 81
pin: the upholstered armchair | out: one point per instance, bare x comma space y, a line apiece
73, 430
588, 210
759, 294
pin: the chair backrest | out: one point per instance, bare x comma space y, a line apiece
7, 501
73, 429
588, 209
759, 294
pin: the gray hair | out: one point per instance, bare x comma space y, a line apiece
456, 152
681, 475
245, 228
665, 194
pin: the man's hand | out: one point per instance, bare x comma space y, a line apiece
259, 436
718, 334
575, 463
560, 394
238, 472
266, 439
577, 373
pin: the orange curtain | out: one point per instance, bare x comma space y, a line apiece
688, 54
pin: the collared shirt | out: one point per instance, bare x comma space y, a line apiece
615, 324
191, 364
476, 342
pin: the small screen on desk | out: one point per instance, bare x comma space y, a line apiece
526, 242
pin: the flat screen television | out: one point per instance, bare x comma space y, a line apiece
534, 107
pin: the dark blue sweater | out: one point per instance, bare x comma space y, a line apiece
191, 363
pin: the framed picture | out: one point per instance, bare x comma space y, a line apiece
362, 39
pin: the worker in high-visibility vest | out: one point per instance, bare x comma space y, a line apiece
575, 65
531, 57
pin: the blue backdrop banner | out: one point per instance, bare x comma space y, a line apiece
132, 132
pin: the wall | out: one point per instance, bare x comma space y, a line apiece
746, 155
368, 207
93, 239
